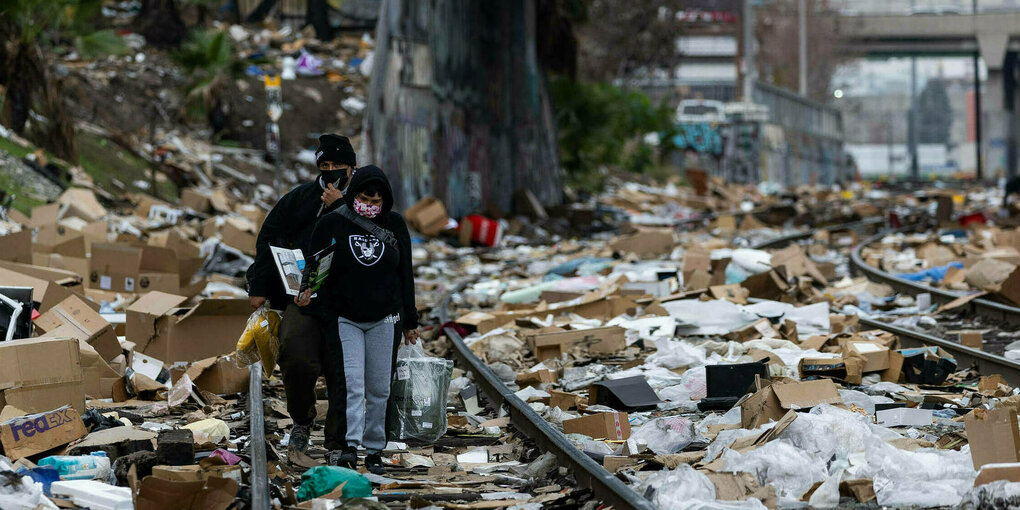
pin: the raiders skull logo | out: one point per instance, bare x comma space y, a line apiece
368, 249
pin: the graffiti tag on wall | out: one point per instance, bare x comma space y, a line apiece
700, 137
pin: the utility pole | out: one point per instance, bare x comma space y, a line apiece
747, 62
915, 171
978, 156
274, 110
802, 54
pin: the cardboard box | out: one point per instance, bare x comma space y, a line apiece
154, 493
849, 370
41, 374
599, 340
479, 322
48, 294
994, 436
210, 328
733, 292
97, 375
646, 243
612, 426
74, 318
972, 339
141, 317
127, 268
240, 233
1008, 471
771, 284
565, 400
844, 323
427, 216
771, 402
192, 473
536, 378
760, 328
28, 435
194, 199
875, 356
1010, 288
219, 375
17, 247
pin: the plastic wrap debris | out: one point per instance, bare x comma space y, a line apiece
18, 492
322, 480
708, 317
417, 406
665, 435
692, 388
211, 431
260, 340
998, 494
670, 353
791, 470
675, 488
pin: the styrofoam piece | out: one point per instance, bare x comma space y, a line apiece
94, 495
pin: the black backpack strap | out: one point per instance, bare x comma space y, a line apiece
384, 235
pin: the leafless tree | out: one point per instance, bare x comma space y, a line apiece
776, 31
627, 38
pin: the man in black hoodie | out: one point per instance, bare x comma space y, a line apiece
368, 291
302, 348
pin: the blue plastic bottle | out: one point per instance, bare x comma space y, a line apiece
95, 466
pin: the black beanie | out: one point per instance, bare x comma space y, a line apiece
337, 149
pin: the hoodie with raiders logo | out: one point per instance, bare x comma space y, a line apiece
368, 280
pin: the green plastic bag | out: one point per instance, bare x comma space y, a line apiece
321, 480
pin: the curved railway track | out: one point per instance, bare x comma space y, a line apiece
984, 362
977, 306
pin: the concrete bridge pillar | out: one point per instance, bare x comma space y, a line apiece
998, 116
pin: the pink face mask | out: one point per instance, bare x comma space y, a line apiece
366, 210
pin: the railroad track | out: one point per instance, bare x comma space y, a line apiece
260, 499
985, 362
588, 473
977, 306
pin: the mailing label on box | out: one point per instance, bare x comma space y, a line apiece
403, 373
865, 348
129, 284
105, 282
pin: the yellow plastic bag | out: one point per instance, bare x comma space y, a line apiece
260, 340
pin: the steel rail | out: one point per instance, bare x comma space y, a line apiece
257, 440
986, 363
588, 473
980, 307
782, 241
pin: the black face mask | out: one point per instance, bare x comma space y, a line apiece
338, 178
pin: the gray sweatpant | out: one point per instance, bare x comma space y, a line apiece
368, 352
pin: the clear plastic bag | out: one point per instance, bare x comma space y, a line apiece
417, 406
260, 340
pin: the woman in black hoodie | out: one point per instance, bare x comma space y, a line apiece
369, 289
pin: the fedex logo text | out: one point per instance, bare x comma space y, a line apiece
40, 423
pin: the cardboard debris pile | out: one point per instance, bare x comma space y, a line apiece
678, 355
980, 259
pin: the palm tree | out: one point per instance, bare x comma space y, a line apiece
208, 56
